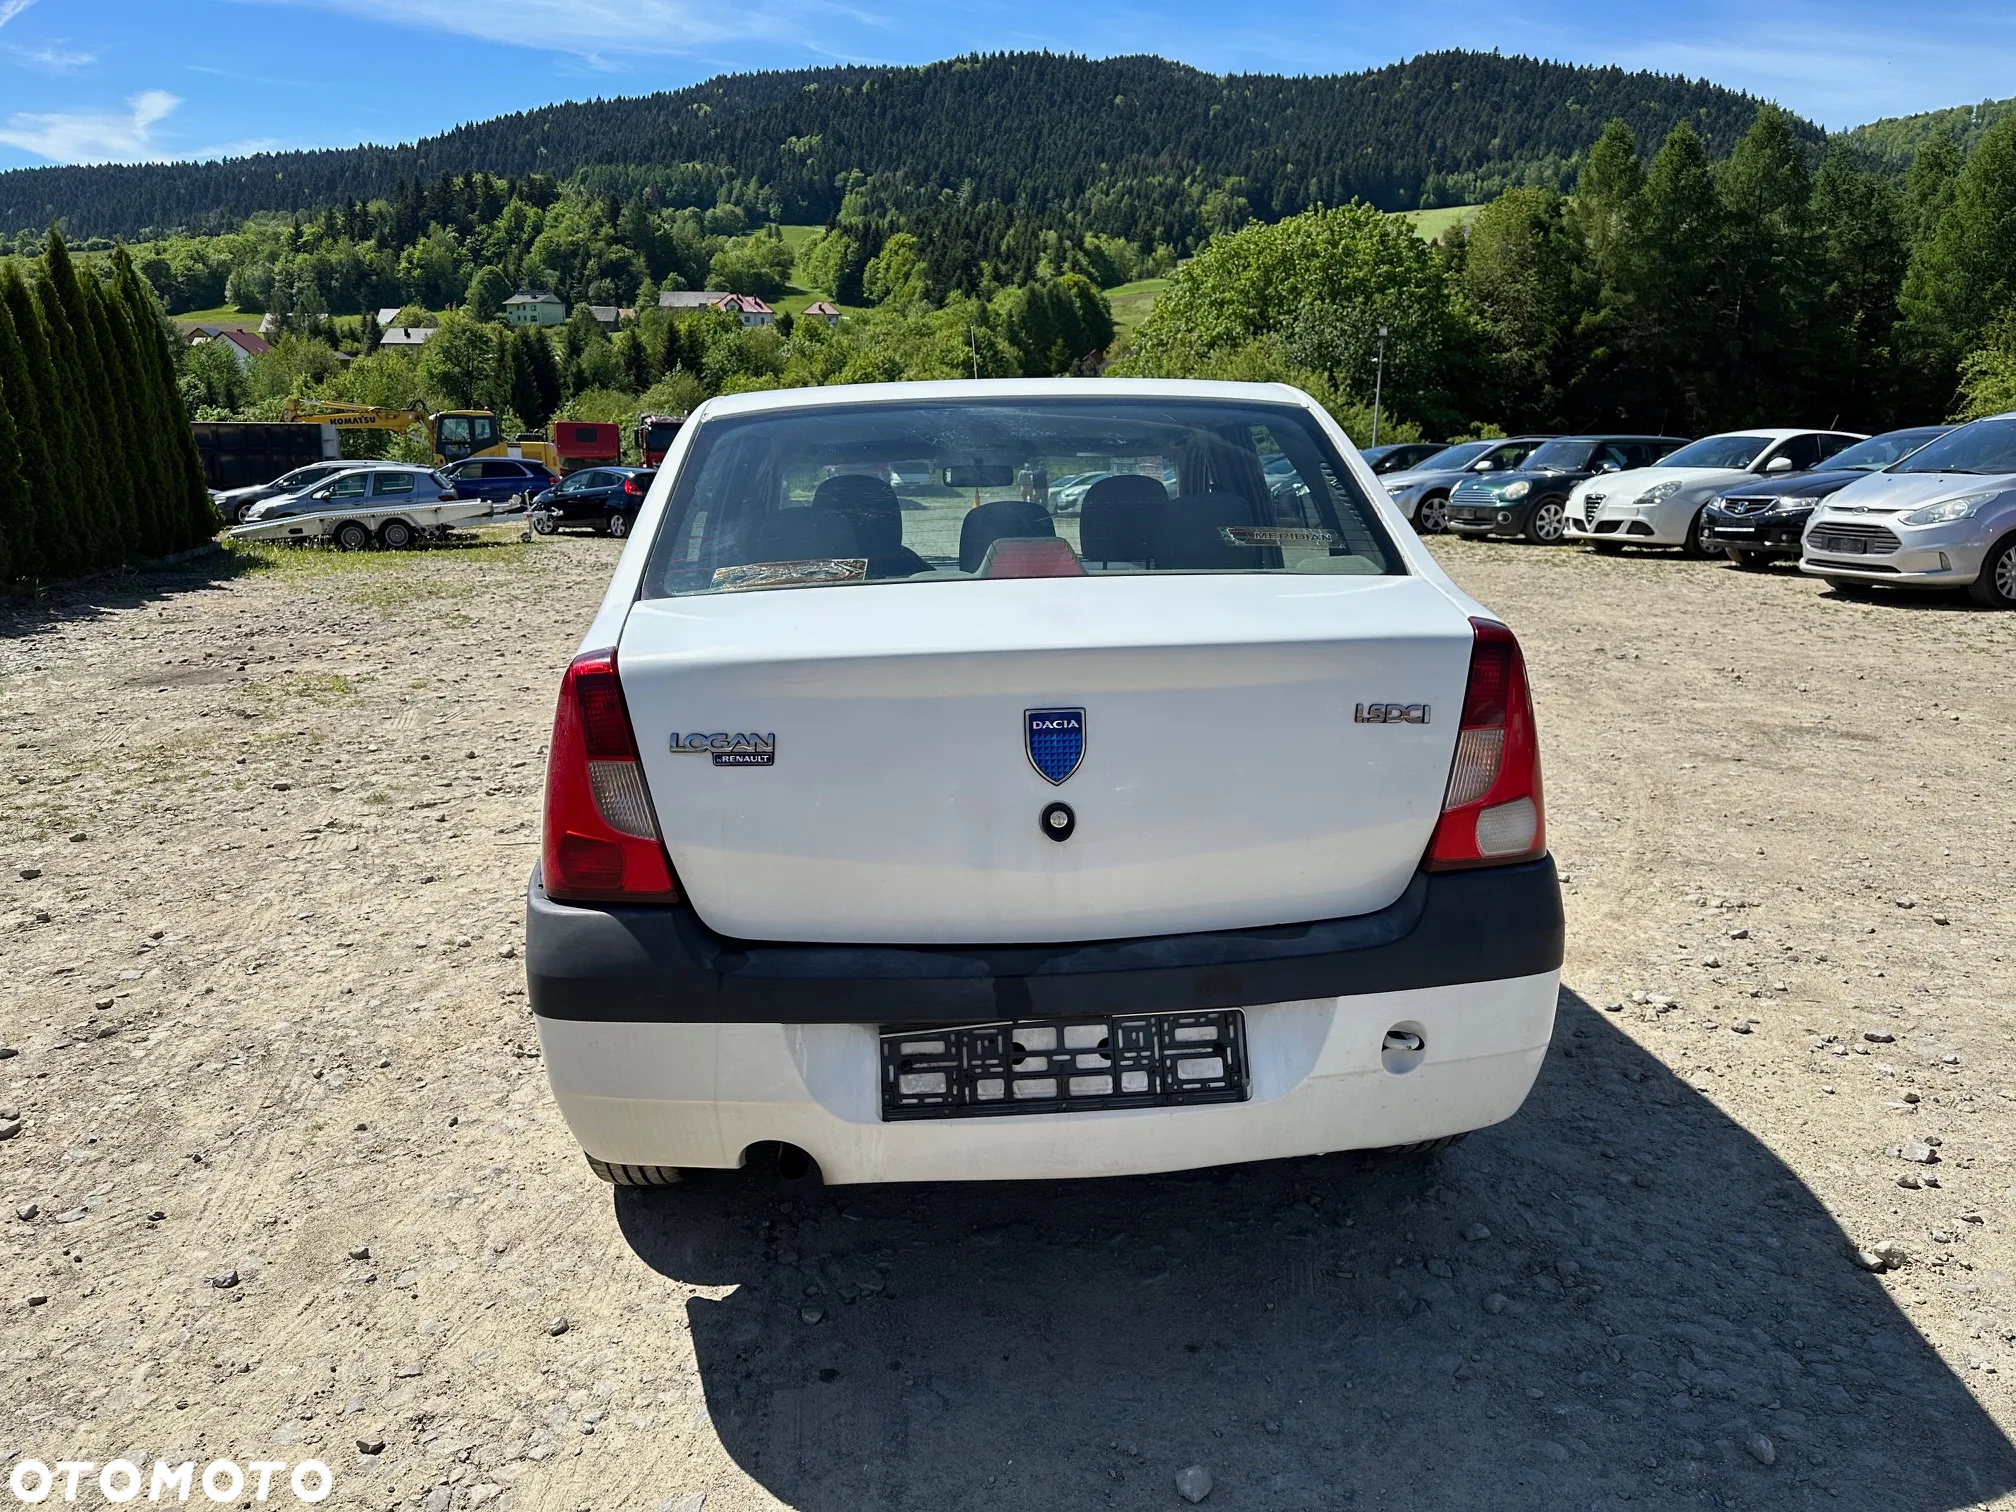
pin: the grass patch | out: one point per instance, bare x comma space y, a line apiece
1433, 225
1131, 303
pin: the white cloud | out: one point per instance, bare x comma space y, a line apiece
9, 9
93, 136
593, 29
53, 56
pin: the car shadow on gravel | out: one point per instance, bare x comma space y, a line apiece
1660, 1313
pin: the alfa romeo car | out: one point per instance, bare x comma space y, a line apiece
1942, 517
1531, 500
962, 841
1661, 505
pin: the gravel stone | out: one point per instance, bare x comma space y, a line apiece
30, 873
370, 1446
557, 1327
1495, 1303
224, 1280
37, 1299
1475, 1231
1193, 1484
26, 1211
1760, 1449
1879, 1036
9, 1127
361, 1252
812, 1314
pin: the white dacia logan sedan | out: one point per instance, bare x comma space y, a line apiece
893, 820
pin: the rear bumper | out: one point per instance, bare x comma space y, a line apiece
700, 1095
662, 965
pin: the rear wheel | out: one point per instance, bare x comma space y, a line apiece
1431, 515
1749, 561
1547, 522
1996, 587
395, 535
617, 525
352, 535
1419, 1147
634, 1175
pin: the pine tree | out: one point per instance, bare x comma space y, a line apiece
1963, 276
63, 545
16, 515
24, 387
188, 516
82, 384
127, 441
1768, 275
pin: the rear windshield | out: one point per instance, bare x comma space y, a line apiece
953, 491
1986, 446
1717, 451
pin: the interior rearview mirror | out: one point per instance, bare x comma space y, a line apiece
983, 475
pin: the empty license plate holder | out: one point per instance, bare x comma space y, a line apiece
1028, 1066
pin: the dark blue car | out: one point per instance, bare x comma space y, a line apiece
605, 499
498, 479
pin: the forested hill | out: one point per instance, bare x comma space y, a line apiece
1896, 139
1137, 140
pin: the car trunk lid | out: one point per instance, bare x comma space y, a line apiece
873, 779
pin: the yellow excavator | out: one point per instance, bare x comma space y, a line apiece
453, 434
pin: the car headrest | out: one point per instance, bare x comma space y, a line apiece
1001, 520
868, 504
1117, 518
1189, 533
803, 535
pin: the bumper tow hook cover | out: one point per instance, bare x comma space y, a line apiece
1058, 821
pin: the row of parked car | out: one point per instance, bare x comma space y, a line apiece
356, 502
1927, 507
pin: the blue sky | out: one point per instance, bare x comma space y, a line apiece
97, 80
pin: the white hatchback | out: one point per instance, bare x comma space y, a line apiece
932, 836
1661, 505
1944, 517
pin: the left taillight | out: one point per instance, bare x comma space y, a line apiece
1492, 811
630, 487
601, 843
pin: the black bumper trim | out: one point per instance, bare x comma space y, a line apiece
662, 965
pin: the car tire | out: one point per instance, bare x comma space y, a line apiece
616, 526
1419, 1148
1431, 515
1690, 544
544, 524
1853, 588
1749, 561
1546, 522
1996, 587
396, 535
617, 1174
352, 535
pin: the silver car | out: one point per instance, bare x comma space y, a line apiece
385, 484
1943, 517
1422, 492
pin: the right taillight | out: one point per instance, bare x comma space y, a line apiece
601, 841
1492, 812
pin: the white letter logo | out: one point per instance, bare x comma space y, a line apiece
21, 1471
324, 1481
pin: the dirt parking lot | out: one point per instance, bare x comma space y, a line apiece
287, 1181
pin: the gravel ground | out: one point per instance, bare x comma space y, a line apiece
286, 1180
